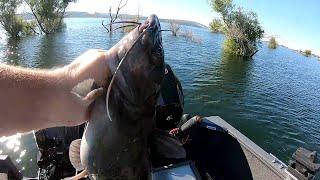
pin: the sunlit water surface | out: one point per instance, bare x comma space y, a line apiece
274, 99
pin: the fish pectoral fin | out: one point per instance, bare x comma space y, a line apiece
84, 87
80, 175
87, 91
167, 146
74, 154
91, 96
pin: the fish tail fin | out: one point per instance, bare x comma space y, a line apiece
74, 154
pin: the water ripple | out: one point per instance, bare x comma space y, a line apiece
274, 99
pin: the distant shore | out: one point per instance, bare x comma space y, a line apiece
297, 51
128, 16
76, 14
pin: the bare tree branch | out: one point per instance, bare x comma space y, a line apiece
110, 13
34, 31
124, 4
174, 27
36, 17
119, 8
105, 26
61, 16
115, 17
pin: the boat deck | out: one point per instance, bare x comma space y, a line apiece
262, 164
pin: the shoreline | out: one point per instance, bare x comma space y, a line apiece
79, 14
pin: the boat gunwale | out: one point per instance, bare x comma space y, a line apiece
266, 158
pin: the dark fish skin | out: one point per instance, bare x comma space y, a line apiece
117, 148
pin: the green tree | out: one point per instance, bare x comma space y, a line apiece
224, 7
9, 21
273, 43
14, 25
216, 25
48, 13
242, 28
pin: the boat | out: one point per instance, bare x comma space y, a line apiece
218, 151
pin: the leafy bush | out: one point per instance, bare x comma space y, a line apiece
273, 43
8, 19
307, 53
188, 34
216, 25
242, 28
48, 14
224, 7
14, 25
230, 46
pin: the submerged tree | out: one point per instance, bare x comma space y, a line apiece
10, 22
48, 13
14, 25
114, 17
189, 35
242, 28
216, 25
8, 19
174, 27
273, 43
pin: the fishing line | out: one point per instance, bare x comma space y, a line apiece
128, 25
117, 69
165, 30
119, 22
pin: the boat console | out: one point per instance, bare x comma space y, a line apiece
180, 171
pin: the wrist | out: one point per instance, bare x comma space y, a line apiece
63, 77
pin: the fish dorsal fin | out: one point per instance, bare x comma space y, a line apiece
74, 154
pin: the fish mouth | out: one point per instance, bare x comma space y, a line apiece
152, 40
151, 23
143, 49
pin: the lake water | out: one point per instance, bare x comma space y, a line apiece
274, 99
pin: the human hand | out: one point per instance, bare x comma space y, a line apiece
91, 65
174, 132
44, 98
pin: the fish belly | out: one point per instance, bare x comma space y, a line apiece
108, 152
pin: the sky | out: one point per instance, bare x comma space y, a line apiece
195, 10
294, 23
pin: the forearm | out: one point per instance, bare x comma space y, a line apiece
30, 98
35, 99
